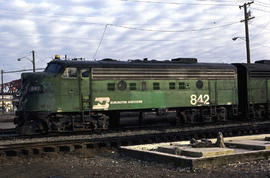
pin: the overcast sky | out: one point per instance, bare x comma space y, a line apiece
132, 29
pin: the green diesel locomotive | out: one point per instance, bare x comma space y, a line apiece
75, 95
254, 90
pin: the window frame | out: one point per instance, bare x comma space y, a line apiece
172, 85
156, 86
83, 71
110, 86
132, 86
68, 75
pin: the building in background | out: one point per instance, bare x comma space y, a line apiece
9, 97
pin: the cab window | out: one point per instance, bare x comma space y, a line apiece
53, 68
70, 72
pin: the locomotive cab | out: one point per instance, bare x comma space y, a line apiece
54, 99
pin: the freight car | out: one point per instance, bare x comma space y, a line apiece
75, 95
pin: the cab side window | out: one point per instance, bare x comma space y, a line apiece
70, 72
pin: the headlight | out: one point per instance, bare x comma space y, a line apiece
35, 89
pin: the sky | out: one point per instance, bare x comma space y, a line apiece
129, 29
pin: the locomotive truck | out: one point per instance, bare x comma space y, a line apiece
72, 95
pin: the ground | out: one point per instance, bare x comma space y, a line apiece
111, 163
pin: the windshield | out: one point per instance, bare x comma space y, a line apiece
53, 68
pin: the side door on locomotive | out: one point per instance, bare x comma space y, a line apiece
84, 85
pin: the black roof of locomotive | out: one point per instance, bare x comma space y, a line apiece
148, 64
255, 66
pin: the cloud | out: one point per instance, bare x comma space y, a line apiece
74, 27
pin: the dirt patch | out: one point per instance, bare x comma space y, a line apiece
110, 163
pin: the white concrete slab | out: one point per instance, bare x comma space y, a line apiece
249, 144
204, 152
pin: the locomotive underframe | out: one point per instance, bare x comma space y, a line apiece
43, 122
259, 111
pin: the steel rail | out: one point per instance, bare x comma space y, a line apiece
35, 146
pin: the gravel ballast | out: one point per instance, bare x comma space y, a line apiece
110, 163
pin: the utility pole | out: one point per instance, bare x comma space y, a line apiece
2, 89
247, 18
34, 62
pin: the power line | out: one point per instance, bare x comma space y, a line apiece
139, 29
55, 16
261, 30
256, 43
23, 70
178, 3
173, 31
263, 3
260, 10
109, 39
86, 19
78, 18
42, 14
232, 1
101, 39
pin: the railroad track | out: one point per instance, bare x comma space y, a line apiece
36, 145
7, 132
11, 134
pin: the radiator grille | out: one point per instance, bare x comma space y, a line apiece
146, 73
260, 74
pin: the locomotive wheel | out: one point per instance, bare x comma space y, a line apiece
25, 129
182, 118
179, 119
222, 114
33, 127
103, 121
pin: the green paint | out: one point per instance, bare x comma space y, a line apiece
80, 93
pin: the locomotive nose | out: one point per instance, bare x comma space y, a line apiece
32, 87
31, 82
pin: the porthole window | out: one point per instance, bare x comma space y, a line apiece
122, 85
199, 84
